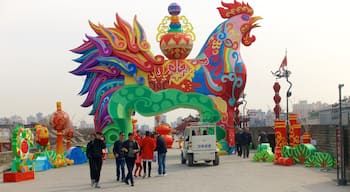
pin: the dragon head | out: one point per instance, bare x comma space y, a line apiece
242, 14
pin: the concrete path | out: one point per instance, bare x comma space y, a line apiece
233, 174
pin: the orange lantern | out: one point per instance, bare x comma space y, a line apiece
59, 121
41, 135
68, 135
164, 130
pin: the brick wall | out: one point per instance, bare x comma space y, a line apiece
6, 157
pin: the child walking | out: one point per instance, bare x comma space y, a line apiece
138, 165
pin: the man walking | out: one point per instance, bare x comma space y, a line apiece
96, 153
130, 147
92, 137
162, 150
238, 137
119, 157
246, 140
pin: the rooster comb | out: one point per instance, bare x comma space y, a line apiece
232, 9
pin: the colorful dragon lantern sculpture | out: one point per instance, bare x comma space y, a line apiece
123, 76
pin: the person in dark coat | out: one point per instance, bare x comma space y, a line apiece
162, 150
246, 140
119, 157
238, 137
262, 138
96, 154
92, 137
130, 148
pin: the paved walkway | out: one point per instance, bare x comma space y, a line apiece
233, 174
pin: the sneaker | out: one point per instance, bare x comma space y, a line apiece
123, 179
165, 174
132, 184
159, 175
92, 182
143, 176
117, 178
97, 186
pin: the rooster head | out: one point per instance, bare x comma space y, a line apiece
243, 13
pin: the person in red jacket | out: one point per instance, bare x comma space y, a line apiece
147, 150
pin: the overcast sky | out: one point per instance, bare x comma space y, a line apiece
36, 37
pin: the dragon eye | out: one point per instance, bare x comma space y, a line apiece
245, 17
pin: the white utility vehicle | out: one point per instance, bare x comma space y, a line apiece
200, 144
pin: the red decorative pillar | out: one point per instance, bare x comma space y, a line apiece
295, 128
280, 133
277, 99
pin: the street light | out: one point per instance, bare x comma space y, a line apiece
280, 74
342, 179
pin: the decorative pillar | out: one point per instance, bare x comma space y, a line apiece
59, 121
306, 138
294, 132
280, 133
277, 99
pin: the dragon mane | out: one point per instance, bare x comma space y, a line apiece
107, 59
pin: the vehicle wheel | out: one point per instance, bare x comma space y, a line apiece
183, 160
216, 161
190, 159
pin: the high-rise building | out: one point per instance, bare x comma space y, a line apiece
31, 119
39, 116
16, 119
303, 108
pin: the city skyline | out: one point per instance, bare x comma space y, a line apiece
39, 34
302, 108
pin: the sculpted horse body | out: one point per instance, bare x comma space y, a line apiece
119, 56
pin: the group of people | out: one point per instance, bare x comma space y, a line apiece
244, 139
135, 150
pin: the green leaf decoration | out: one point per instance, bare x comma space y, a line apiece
303, 152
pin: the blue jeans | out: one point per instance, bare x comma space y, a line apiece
161, 163
120, 164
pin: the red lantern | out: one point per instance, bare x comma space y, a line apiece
276, 87
68, 135
277, 99
59, 122
163, 129
168, 140
59, 119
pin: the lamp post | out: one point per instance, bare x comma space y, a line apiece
279, 74
342, 179
289, 93
244, 106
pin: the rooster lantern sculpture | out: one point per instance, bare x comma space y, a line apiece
123, 76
